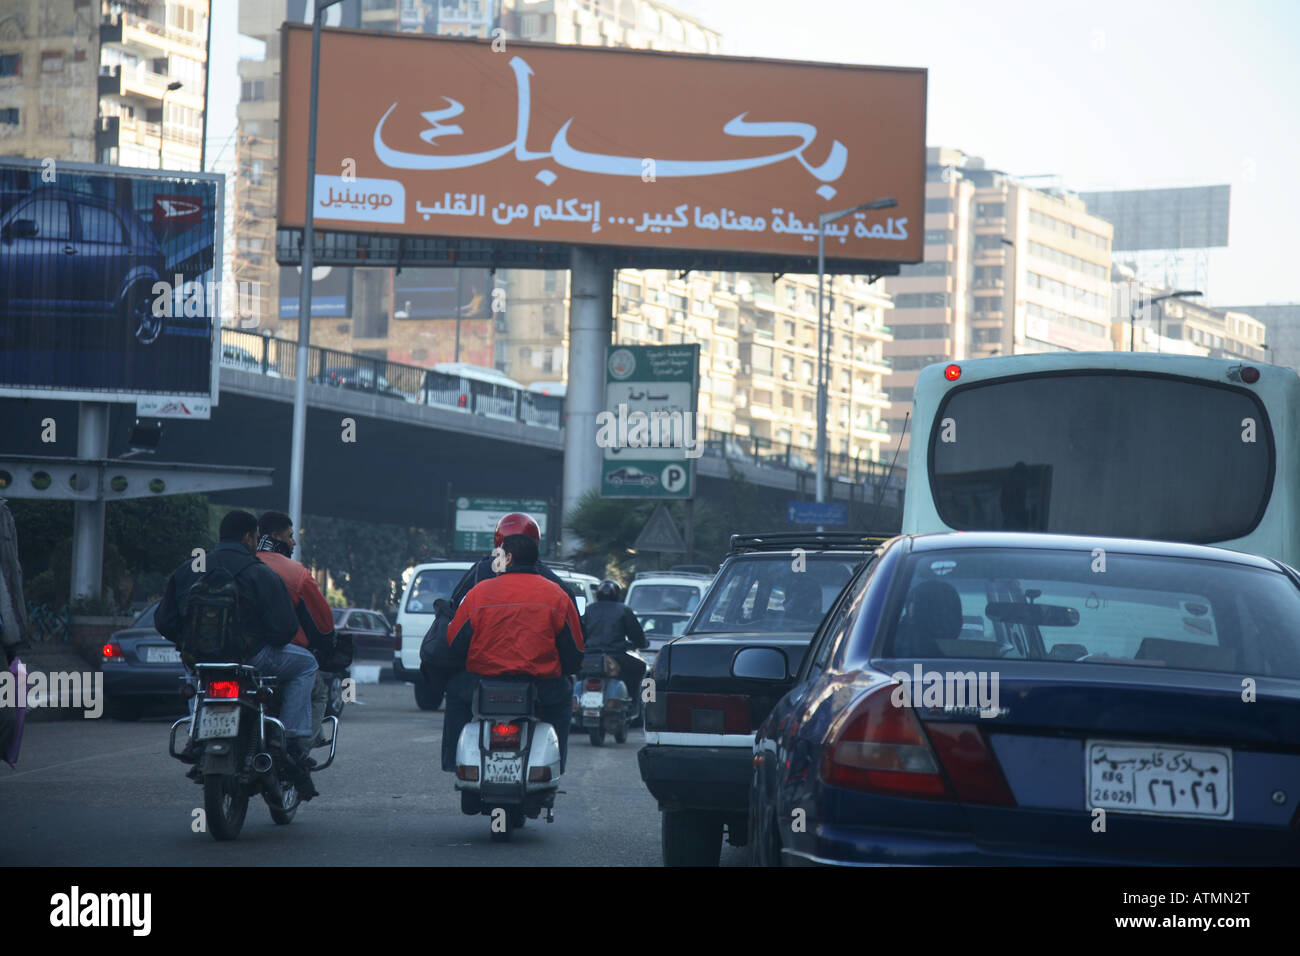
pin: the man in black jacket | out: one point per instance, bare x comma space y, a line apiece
268, 619
610, 626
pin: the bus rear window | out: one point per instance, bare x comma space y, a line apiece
1125, 455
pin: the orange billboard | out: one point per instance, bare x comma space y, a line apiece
447, 137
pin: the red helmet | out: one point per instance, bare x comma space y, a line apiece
516, 523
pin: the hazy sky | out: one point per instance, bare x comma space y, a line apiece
1134, 94
1107, 94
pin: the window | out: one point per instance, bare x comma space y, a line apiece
761, 358
990, 210
255, 172
1039, 454
938, 268
938, 205
938, 237
9, 115
934, 330
762, 396
11, 64
51, 216
252, 91
52, 61
100, 225
922, 300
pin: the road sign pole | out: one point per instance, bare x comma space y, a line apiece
690, 530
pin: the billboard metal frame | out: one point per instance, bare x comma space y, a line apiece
161, 176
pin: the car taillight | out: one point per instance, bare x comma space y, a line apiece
708, 713
880, 748
594, 683
505, 737
539, 774
972, 769
223, 688
112, 651
397, 637
462, 402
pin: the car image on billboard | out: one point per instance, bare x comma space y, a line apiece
108, 280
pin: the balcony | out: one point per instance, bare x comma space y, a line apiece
107, 133
110, 81
110, 30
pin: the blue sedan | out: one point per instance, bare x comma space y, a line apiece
142, 670
1005, 698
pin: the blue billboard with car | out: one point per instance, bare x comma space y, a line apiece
109, 280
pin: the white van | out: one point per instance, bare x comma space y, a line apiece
427, 583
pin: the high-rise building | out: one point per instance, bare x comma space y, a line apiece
104, 81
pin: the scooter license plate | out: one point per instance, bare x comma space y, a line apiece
218, 720
503, 768
592, 698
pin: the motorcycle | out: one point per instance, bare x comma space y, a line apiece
240, 746
334, 691
601, 702
507, 758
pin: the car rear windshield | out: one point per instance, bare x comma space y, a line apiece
430, 585
1126, 455
774, 592
663, 597
1096, 607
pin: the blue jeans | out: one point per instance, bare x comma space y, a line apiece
296, 668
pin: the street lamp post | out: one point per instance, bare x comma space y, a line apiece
1132, 315
824, 220
172, 87
299, 442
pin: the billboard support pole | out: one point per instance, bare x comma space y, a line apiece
297, 455
88, 516
591, 305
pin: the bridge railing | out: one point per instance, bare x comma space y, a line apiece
277, 358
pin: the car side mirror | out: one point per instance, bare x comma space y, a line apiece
760, 663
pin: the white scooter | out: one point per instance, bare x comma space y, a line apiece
507, 758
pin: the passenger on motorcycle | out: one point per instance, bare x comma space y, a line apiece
515, 624
268, 621
483, 570
610, 626
275, 546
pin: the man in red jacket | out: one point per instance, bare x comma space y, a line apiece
515, 624
315, 617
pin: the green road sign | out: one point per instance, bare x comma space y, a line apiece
649, 432
476, 520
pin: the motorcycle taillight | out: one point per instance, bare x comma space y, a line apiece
594, 683
505, 737
223, 688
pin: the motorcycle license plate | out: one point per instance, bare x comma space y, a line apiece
503, 768
592, 699
218, 720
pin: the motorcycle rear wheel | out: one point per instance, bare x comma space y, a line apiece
290, 802
597, 736
225, 803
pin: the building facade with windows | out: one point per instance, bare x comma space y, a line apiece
91, 81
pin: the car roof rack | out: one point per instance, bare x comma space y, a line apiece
692, 575
809, 540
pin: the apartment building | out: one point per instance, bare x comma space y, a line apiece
1282, 330
1222, 333
95, 81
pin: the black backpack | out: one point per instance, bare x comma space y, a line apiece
212, 628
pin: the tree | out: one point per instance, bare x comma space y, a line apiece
366, 560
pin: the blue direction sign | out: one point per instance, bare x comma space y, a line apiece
817, 512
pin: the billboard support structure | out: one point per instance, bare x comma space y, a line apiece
591, 311
88, 516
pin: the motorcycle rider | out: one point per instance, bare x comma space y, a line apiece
610, 626
275, 546
268, 618
516, 522
516, 623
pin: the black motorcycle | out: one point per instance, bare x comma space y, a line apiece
240, 746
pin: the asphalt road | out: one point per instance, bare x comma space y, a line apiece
105, 793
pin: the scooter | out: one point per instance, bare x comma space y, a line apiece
601, 703
507, 758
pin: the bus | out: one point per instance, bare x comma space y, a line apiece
1122, 444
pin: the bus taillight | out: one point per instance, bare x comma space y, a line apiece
1250, 375
952, 373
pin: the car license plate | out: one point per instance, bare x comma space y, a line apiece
592, 698
162, 655
218, 720
503, 768
1159, 779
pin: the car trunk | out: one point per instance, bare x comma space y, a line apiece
699, 666
1182, 765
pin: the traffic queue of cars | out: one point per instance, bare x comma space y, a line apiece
982, 698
